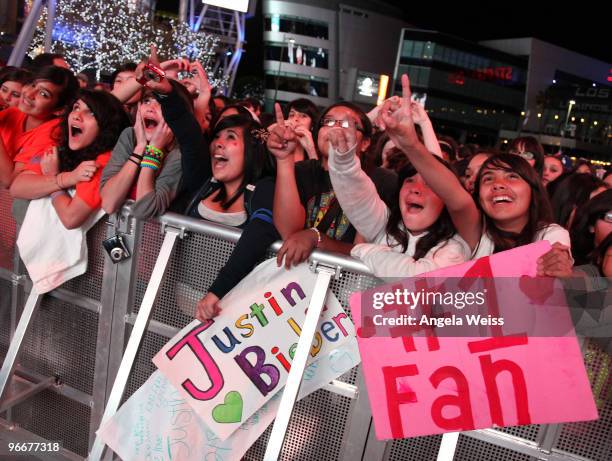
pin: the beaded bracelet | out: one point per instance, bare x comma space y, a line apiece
150, 162
154, 152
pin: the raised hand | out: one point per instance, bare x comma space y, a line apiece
343, 140
174, 65
373, 114
304, 137
139, 130
200, 79
283, 140
419, 115
396, 118
162, 136
161, 87
49, 164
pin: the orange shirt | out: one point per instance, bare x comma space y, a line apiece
21, 145
88, 191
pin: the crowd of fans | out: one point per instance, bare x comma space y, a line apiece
380, 186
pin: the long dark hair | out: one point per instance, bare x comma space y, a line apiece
111, 119
441, 230
539, 214
530, 144
243, 111
582, 238
257, 161
65, 79
572, 192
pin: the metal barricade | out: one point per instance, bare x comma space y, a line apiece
80, 333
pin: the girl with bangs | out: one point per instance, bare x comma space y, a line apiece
239, 192
30, 127
88, 133
509, 207
146, 162
415, 235
228, 182
514, 204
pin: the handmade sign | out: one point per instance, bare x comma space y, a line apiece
230, 366
429, 384
156, 422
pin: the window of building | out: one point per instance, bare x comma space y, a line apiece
298, 26
417, 51
297, 84
297, 54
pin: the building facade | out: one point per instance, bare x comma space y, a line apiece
469, 90
322, 49
568, 99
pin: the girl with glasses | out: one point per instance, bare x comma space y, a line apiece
307, 212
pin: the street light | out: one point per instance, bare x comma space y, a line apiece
286, 41
569, 110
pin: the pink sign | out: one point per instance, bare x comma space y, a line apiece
430, 384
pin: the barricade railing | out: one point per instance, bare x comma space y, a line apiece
82, 336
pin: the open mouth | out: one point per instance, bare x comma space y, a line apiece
219, 159
414, 208
150, 123
502, 199
75, 131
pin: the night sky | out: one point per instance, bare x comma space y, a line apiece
579, 26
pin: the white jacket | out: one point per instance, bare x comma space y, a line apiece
366, 211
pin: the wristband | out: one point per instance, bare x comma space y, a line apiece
318, 236
150, 162
151, 151
134, 161
138, 156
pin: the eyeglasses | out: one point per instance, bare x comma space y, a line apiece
331, 122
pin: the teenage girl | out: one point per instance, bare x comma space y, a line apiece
88, 133
413, 236
510, 207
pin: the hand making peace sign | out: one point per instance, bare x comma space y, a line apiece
282, 141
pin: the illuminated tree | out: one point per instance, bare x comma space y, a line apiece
101, 35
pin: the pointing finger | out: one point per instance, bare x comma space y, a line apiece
406, 93
280, 118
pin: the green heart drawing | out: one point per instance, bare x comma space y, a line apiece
230, 411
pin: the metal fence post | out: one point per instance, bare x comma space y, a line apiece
17, 341
294, 380
138, 331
